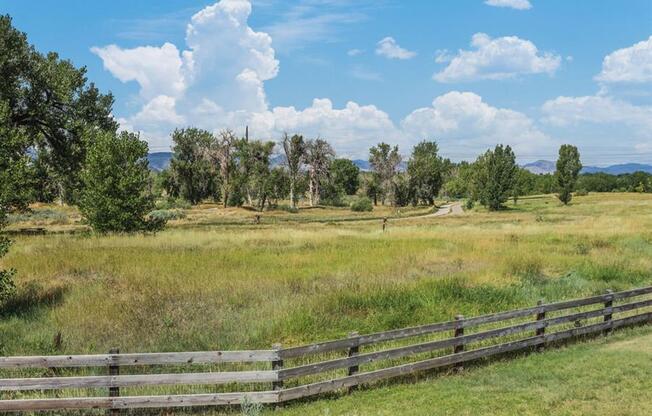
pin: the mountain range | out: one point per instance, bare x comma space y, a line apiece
161, 160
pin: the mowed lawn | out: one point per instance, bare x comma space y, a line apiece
213, 284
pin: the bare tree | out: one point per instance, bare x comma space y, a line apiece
224, 151
385, 161
319, 156
295, 154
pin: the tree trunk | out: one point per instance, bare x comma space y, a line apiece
311, 191
292, 201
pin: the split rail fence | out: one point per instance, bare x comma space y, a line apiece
282, 374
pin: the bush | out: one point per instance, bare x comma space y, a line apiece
115, 197
469, 204
7, 286
581, 192
362, 205
166, 215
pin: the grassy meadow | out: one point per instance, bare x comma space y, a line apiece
215, 280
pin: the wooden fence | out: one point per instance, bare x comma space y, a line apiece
292, 373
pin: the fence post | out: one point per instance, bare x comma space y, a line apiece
608, 304
114, 370
459, 332
541, 315
276, 366
352, 352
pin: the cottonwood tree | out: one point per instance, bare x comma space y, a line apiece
568, 168
345, 175
426, 172
523, 183
252, 170
190, 167
385, 161
494, 176
224, 154
52, 101
116, 195
319, 155
295, 154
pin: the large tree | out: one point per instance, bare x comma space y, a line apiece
116, 194
426, 172
494, 176
385, 162
345, 175
568, 168
319, 156
295, 153
190, 167
51, 100
253, 174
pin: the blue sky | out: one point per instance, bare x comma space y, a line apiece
467, 73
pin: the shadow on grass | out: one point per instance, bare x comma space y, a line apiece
32, 298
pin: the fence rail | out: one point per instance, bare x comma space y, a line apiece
448, 351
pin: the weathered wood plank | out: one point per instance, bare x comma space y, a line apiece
135, 402
391, 372
160, 358
50, 383
345, 343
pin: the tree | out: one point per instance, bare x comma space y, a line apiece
319, 155
116, 178
295, 153
568, 168
425, 169
52, 102
345, 175
191, 167
384, 162
523, 183
16, 174
494, 176
225, 149
252, 170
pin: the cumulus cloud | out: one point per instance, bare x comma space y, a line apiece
513, 4
632, 64
498, 58
220, 83
463, 119
564, 111
388, 48
158, 70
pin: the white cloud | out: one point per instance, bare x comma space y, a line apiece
596, 109
388, 48
633, 64
158, 70
514, 4
354, 52
464, 120
224, 68
442, 56
498, 58
364, 74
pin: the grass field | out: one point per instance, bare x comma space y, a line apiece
214, 280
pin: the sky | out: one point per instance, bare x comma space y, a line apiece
469, 74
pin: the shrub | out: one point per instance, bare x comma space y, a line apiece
362, 205
171, 203
116, 176
469, 204
7, 286
166, 215
581, 192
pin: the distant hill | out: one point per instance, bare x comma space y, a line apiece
161, 160
545, 166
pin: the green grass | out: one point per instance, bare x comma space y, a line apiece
214, 280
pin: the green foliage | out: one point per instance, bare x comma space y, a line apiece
362, 204
319, 156
568, 168
172, 203
402, 191
460, 181
116, 175
524, 183
426, 171
7, 285
372, 187
16, 174
295, 153
384, 161
345, 175
603, 182
252, 179
165, 215
192, 176
50, 102
494, 177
